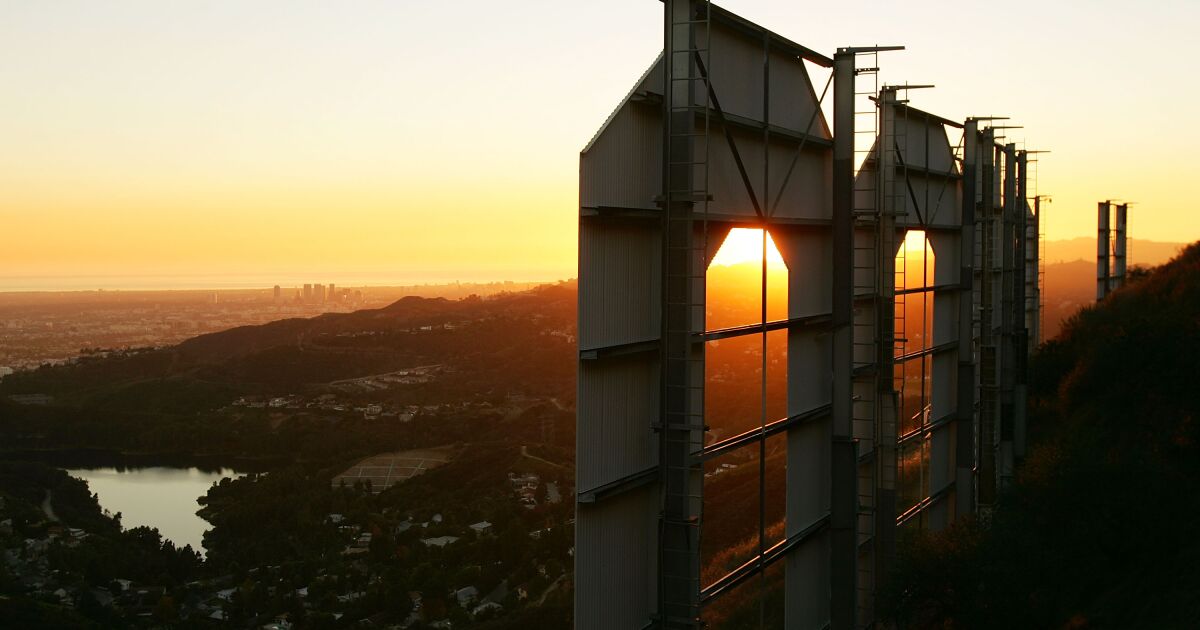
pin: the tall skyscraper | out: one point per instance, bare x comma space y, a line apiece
277, 294
331, 295
318, 294
308, 293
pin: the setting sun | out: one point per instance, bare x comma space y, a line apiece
745, 245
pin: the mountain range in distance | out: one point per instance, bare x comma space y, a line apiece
1070, 274
1138, 251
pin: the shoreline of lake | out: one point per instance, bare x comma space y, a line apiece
82, 457
162, 497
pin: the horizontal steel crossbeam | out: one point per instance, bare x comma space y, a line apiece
758, 563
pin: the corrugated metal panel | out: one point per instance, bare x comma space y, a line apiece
737, 78
619, 289
619, 300
809, 258
652, 76
793, 107
934, 200
807, 194
623, 167
810, 272
940, 157
944, 373
737, 74
941, 474
809, 190
806, 584
618, 406
947, 255
615, 560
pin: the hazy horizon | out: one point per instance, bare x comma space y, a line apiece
1057, 251
238, 281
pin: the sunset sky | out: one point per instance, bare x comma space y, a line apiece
409, 141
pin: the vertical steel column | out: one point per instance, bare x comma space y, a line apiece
964, 483
1035, 245
888, 191
1020, 332
986, 437
1102, 248
1118, 279
679, 551
843, 491
1007, 324
762, 444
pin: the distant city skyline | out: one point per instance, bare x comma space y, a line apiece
205, 282
1142, 252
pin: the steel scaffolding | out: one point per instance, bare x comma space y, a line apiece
904, 390
1111, 246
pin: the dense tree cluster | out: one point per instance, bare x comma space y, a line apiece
504, 395
1099, 530
103, 555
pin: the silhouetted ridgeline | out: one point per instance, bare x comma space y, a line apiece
489, 359
1101, 528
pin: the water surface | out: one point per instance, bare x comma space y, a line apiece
160, 497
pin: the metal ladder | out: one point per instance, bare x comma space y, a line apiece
681, 434
865, 331
894, 141
866, 247
1041, 266
900, 320
988, 391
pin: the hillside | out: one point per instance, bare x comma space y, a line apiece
1068, 287
1098, 530
303, 352
1141, 252
1070, 280
491, 379
331, 377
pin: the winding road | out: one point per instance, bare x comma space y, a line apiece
47, 508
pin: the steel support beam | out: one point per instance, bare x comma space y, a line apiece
988, 368
964, 456
756, 565
1102, 249
733, 149
1119, 246
1007, 346
892, 187
1035, 246
843, 491
1020, 344
681, 417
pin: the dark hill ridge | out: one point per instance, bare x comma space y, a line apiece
500, 368
507, 333
1099, 530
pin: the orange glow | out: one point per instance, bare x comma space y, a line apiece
745, 245
187, 145
735, 281
918, 259
914, 240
